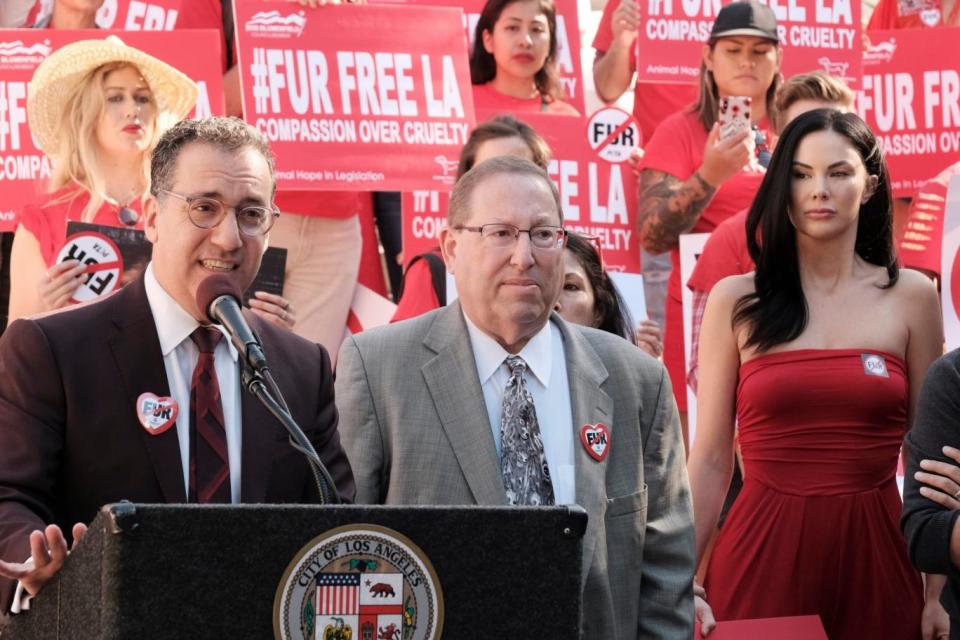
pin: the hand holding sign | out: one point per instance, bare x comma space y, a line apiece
273, 308
702, 611
649, 337
101, 261
626, 18
59, 284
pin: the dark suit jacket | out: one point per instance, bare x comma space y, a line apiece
927, 525
70, 440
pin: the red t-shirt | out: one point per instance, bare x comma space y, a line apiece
897, 14
419, 296
208, 14
920, 242
724, 254
47, 221
652, 102
486, 98
677, 149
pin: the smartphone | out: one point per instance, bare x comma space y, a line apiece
734, 116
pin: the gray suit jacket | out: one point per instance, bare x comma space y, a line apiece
415, 428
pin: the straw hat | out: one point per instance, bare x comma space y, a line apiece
57, 77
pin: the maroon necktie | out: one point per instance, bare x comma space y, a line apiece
209, 463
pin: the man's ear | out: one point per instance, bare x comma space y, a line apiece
448, 247
151, 209
872, 183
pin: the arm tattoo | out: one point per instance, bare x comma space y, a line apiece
669, 207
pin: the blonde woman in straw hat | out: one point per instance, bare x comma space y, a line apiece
97, 108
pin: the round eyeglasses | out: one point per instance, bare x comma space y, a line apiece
207, 213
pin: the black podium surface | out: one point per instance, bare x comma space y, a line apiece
189, 571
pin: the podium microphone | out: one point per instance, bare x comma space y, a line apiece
219, 299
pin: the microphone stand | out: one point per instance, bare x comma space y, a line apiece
257, 383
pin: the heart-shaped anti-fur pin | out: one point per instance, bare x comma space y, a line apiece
596, 440
156, 414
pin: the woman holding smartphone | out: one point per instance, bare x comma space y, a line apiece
692, 178
513, 65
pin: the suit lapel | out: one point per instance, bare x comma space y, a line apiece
589, 405
453, 383
260, 433
136, 351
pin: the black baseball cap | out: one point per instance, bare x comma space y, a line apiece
745, 18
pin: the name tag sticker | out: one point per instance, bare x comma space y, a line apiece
874, 365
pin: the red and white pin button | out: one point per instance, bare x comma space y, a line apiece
156, 414
596, 440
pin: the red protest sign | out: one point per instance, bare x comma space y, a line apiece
356, 97
599, 196
911, 100
24, 169
424, 216
196, 53
815, 35
129, 15
568, 39
138, 15
786, 628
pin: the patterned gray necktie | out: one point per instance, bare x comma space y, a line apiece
523, 464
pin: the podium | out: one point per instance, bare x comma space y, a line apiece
191, 571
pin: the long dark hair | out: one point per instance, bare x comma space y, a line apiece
483, 68
609, 309
777, 311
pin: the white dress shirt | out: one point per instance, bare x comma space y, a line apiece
546, 379
180, 354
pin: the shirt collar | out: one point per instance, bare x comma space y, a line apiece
537, 353
174, 325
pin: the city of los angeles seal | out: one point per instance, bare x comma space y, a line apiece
359, 582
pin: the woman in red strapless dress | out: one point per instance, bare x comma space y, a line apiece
818, 357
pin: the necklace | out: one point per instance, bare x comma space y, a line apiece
126, 215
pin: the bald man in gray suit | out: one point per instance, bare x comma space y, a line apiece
436, 410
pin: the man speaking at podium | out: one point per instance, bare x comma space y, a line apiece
136, 396
496, 400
